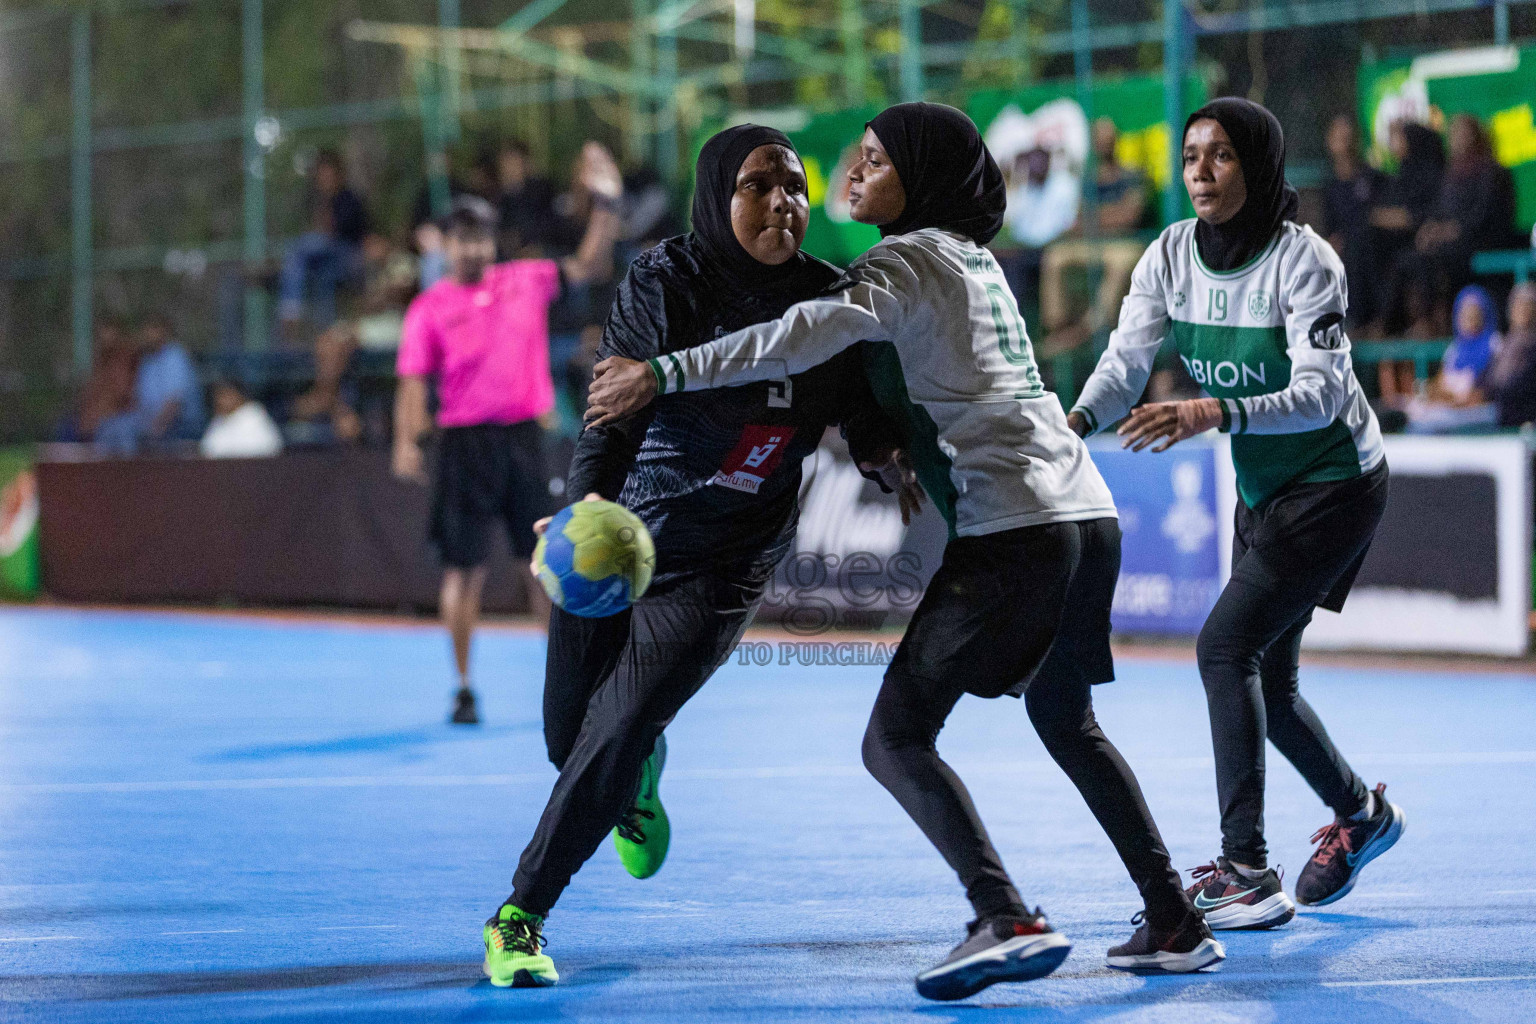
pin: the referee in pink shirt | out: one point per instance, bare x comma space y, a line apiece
483, 331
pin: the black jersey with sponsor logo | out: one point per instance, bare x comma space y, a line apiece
715, 475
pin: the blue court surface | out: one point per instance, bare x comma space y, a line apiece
218, 818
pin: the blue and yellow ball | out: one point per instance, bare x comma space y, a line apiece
595, 559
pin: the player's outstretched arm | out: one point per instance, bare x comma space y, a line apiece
1122, 372
807, 335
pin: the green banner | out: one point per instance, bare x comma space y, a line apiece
1134, 105
1497, 85
18, 524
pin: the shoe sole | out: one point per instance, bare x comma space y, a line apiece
1207, 954
1373, 849
520, 979
1022, 958
1268, 913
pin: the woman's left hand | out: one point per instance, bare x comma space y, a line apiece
1169, 422
620, 387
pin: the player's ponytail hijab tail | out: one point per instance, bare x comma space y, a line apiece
950, 178
1260, 145
714, 184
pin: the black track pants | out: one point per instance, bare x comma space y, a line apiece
1299, 552
1024, 610
612, 686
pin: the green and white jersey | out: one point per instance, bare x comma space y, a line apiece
1267, 339
990, 444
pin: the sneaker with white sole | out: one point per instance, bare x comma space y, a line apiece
1346, 847
1232, 901
996, 949
1189, 947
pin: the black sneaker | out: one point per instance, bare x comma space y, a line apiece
1189, 947
464, 710
1231, 901
1344, 848
996, 949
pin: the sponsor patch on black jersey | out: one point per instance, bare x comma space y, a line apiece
1327, 332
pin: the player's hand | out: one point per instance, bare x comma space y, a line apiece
408, 463
899, 475
620, 388
1164, 424
542, 525
600, 172
1077, 423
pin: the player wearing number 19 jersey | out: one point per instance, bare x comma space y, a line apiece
1255, 304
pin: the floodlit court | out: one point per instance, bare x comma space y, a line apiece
216, 817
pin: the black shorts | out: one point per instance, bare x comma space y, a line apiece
1007, 607
487, 473
1316, 535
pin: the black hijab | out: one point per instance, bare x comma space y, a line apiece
714, 184
1260, 145
951, 180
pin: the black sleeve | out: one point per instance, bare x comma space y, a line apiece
870, 433
643, 315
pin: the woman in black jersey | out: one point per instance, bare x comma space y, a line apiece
715, 477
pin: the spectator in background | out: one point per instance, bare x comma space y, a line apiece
1120, 205
647, 219
524, 202
326, 414
1455, 399
240, 428
1474, 210
329, 252
1042, 206
1511, 381
484, 332
168, 403
389, 282
1405, 201
1351, 191
576, 319
105, 409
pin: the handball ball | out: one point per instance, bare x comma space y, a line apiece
595, 559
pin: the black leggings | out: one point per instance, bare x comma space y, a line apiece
1024, 610
611, 686
1300, 551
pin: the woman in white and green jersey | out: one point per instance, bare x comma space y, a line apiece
1255, 304
1021, 602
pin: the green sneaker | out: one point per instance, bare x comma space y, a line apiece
514, 950
643, 834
